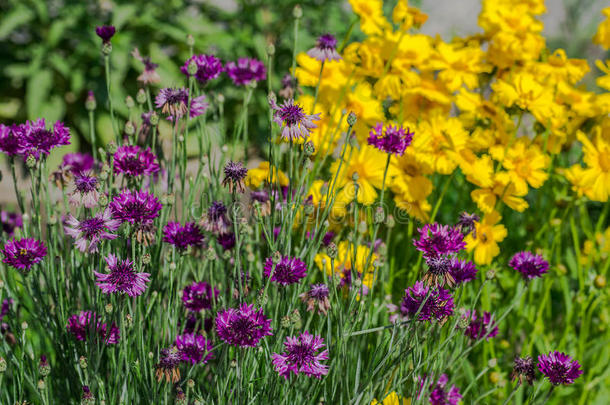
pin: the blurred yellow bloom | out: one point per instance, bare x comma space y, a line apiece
260, 175
525, 164
596, 176
603, 81
351, 258
438, 139
407, 16
372, 21
458, 65
392, 399
503, 188
559, 68
488, 233
602, 36
527, 93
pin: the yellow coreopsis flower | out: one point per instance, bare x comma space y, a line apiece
458, 65
526, 164
407, 16
488, 233
260, 175
392, 399
410, 177
596, 176
527, 93
603, 81
349, 258
372, 21
559, 68
602, 36
503, 188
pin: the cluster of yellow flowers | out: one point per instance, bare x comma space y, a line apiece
497, 106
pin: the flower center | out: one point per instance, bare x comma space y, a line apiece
292, 114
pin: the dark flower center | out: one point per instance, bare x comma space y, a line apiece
91, 227
301, 354
85, 184
123, 276
327, 42
292, 114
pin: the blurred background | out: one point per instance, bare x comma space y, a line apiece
50, 56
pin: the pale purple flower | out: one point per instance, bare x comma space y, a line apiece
10, 141
427, 303
480, 327
436, 240
293, 121
24, 253
135, 207
302, 355
317, 298
183, 236
133, 161
105, 32
390, 139
88, 233
439, 394
9, 221
529, 265
37, 139
325, 49
289, 270
122, 278
77, 163
85, 191
246, 70
462, 271
199, 296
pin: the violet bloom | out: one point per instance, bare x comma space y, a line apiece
243, 326
439, 271
436, 240
168, 365
235, 173
193, 348
85, 191
208, 67
183, 236
122, 278
135, 207
325, 49
10, 141
439, 394
523, 368
174, 103
24, 253
36, 139
88, 233
105, 32
302, 356
77, 163
529, 265
246, 70
316, 298
427, 303
133, 161
199, 296
390, 139
216, 220
293, 121
289, 270
9, 221
6, 307
150, 75
467, 222
226, 240
480, 327
559, 368
88, 323
462, 271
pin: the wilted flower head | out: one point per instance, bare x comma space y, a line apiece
169, 360
183, 236
208, 67
246, 70
88, 233
174, 103
467, 223
559, 368
216, 220
243, 326
9, 221
10, 141
193, 348
316, 298
133, 161
293, 121
529, 265
390, 139
235, 173
36, 139
77, 162
462, 271
289, 270
436, 240
439, 271
301, 356
85, 191
86, 323
199, 296
149, 75
24, 253
122, 278
105, 32
288, 87
480, 327
523, 368
135, 207
431, 303
325, 49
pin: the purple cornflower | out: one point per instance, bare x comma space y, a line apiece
9, 221
327, 238
235, 173
431, 303
289, 270
301, 356
193, 348
437, 240
122, 278
462, 271
198, 106
135, 207
529, 265
24, 253
523, 368
466, 223
168, 365
316, 298
439, 271
480, 328
85, 191
183, 236
36, 139
6, 307
88, 233
440, 396
208, 67
216, 220
390, 139
133, 161
105, 32
87, 397
292, 120
77, 162
243, 326
559, 368
174, 103
325, 49
226, 240
199, 296
246, 70
80, 325
10, 141
149, 75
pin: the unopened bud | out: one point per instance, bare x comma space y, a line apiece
30, 161
172, 266
309, 149
141, 96
362, 227
390, 221
491, 274
492, 363
103, 200
379, 216
270, 49
111, 147
271, 98
2, 365
24, 325
154, 119
181, 138
130, 129
190, 40
600, 281
355, 176
192, 68
351, 119
108, 308
146, 258
297, 12
128, 320
331, 250
82, 362
52, 219
277, 256
41, 385
90, 103
129, 102
106, 48
190, 383
285, 321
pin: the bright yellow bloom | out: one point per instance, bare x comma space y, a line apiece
334, 75
602, 36
260, 175
349, 258
603, 81
526, 163
458, 65
372, 21
596, 176
488, 234
559, 68
503, 188
527, 93
392, 399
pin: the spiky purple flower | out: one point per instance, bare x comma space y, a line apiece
462, 271
10, 141
135, 207
431, 303
302, 356
89, 232
216, 220
289, 270
529, 265
235, 173
316, 298
208, 67
174, 103
85, 191
77, 162
105, 32
559, 368
169, 360
24, 253
480, 327
84, 324
390, 139
243, 326
193, 348
246, 70
436, 240
439, 271
183, 236
325, 49
523, 368
9, 221
134, 161
122, 278
199, 296
36, 139
439, 394
293, 121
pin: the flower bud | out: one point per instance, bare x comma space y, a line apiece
297, 12
285, 321
355, 176
41, 385
309, 149
24, 325
129, 102
210, 254
146, 258
270, 49
52, 219
128, 320
190, 383
30, 162
180, 138
111, 147
172, 266
190, 40
107, 48
379, 216
154, 119
491, 274
351, 119
331, 250
192, 68
353, 142
102, 200
82, 362
43, 366
141, 96
600, 281
492, 363
130, 129
362, 227
90, 103
2, 365
261, 298
390, 221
